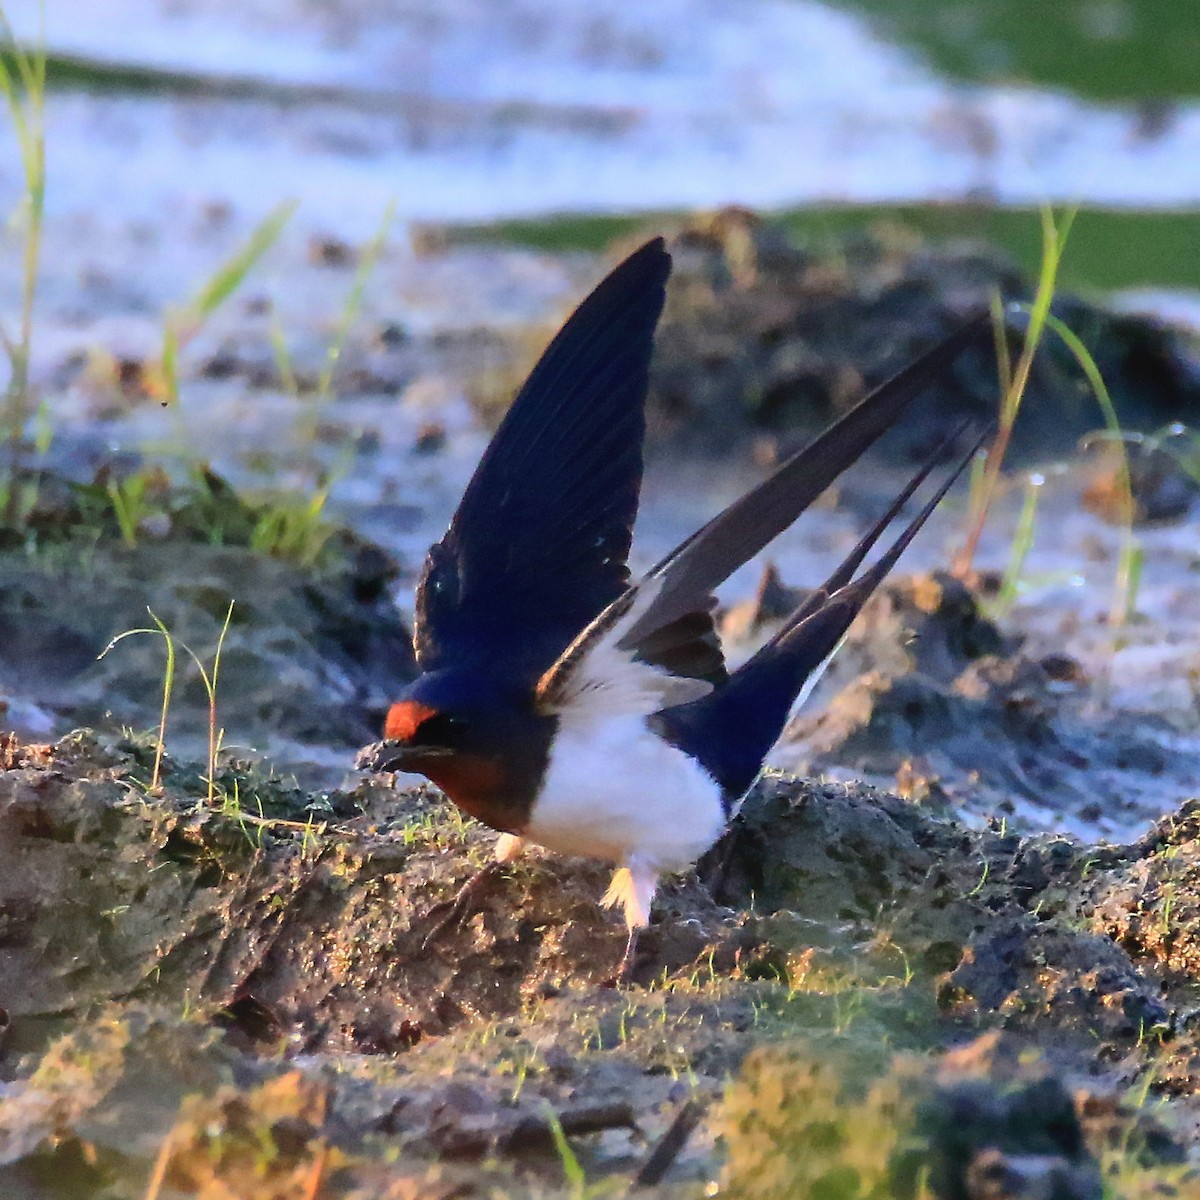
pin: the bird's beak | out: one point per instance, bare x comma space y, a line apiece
395, 756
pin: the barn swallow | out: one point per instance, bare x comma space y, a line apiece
563, 703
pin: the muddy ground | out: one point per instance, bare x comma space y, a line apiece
216, 1000
235, 997
975, 978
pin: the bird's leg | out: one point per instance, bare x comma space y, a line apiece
715, 864
625, 970
633, 887
457, 909
507, 848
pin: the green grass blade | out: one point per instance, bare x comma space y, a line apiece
232, 273
168, 690
169, 363
1130, 559
1054, 239
283, 358
572, 1169
367, 263
22, 81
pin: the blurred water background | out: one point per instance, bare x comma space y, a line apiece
960, 115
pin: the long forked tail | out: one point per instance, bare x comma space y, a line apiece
731, 730
706, 559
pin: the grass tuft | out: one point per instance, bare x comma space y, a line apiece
209, 676
1014, 380
23, 82
294, 529
791, 1131
168, 689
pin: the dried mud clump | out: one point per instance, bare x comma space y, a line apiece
1149, 903
997, 1121
1163, 485
1032, 975
930, 697
930, 625
929, 680
762, 333
311, 656
990, 921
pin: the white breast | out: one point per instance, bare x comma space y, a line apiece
614, 790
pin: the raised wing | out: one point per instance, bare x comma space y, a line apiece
538, 545
621, 651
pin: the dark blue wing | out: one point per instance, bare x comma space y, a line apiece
538, 545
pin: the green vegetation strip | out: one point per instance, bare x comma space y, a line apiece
1110, 248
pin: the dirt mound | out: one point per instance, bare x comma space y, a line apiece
237, 996
274, 917
928, 695
763, 333
311, 918
1149, 902
311, 655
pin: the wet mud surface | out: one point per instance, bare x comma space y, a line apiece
265, 981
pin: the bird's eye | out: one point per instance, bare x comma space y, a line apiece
441, 728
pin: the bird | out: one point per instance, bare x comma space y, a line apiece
564, 703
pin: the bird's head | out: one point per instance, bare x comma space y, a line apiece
432, 720
480, 744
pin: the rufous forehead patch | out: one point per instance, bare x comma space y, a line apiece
404, 719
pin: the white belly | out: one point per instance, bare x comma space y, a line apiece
613, 790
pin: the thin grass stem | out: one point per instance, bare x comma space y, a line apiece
283, 358
24, 94
183, 324
1054, 240
367, 263
168, 689
1129, 565
1021, 545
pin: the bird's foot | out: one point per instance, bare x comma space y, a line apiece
456, 910
622, 977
